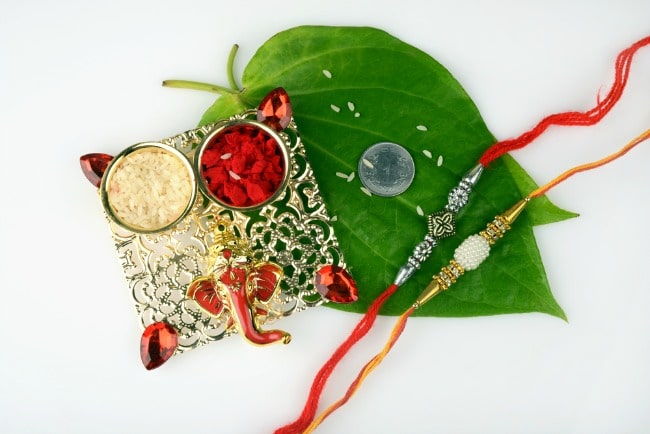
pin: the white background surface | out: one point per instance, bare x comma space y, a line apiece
79, 77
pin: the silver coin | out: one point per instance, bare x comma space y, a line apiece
386, 169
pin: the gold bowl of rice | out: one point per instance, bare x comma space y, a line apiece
148, 187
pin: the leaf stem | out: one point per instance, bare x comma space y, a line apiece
196, 85
229, 68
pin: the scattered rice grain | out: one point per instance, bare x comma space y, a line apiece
367, 163
351, 106
366, 191
350, 177
327, 74
422, 127
440, 159
335, 108
226, 156
333, 219
357, 114
427, 153
341, 175
419, 210
234, 176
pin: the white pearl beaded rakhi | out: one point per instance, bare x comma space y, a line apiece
471, 253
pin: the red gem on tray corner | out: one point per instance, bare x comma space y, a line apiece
158, 343
275, 109
94, 166
335, 284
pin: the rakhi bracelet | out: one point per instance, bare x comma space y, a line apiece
469, 255
442, 223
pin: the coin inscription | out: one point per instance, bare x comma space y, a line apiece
386, 169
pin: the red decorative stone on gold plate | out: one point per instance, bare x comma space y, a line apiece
94, 166
158, 343
335, 284
275, 109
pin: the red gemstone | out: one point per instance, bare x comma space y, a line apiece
94, 166
206, 295
275, 109
158, 343
336, 284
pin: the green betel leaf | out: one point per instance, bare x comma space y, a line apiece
353, 87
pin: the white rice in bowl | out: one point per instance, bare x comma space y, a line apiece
149, 189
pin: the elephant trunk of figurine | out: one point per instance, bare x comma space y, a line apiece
244, 317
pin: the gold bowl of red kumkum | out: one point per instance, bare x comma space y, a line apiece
242, 164
148, 187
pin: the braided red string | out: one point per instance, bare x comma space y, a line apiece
365, 371
359, 331
590, 117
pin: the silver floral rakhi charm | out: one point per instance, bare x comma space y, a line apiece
440, 224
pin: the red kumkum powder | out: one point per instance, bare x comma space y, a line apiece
242, 166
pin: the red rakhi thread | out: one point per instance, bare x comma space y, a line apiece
399, 327
590, 117
359, 331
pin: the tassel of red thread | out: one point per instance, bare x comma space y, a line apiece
590, 117
362, 328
